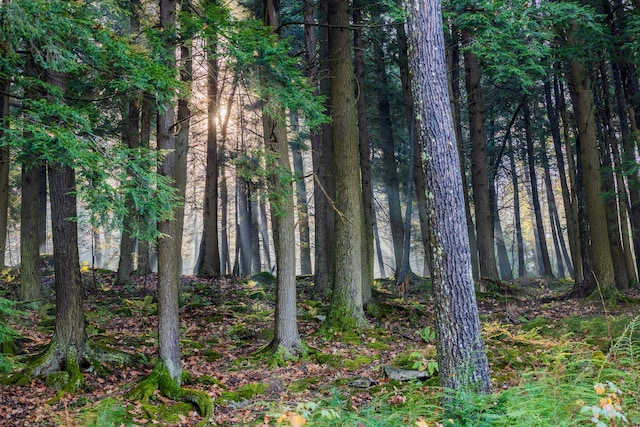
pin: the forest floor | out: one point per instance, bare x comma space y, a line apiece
557, 355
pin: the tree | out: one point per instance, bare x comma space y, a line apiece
346, 311
286, 339
461, 357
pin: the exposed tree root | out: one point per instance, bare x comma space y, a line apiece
278, 354
160, 380
57, 358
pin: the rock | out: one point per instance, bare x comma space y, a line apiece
399, 374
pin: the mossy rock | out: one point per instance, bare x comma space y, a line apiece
190, 344
328, 359
246, 392
409, 359
241, 332
357, 363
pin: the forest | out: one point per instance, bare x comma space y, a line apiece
323, 213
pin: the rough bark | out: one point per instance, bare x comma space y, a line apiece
30, 270
4, 169
522, 269
264, 232
461, 357
146, 115
322, 154
365, 155
168, 245
479, 164
582, 98
345, 311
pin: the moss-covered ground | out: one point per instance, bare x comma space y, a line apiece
549, 358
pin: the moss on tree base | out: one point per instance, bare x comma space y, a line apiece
161, 380
278, 355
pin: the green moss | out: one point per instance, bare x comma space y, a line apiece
57, 380
186, 343
377, 345
350, 337
357, 363
167, 414
246, 392
210, 355
328, 359
303, 384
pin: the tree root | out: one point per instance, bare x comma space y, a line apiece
160, 380
55, 358
278, 355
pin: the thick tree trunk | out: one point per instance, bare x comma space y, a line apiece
582, 98
542, 240
42, 224
461, 357
365, 155
146, 115
210, 266
285, 337
243, 237
345, 311
169, 244
30, 269
479, 164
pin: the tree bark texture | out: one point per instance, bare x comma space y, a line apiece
30, 269
168, 245
479, 164
346, 310
522, 269
582, 98
302, 205
4, 170
461, 357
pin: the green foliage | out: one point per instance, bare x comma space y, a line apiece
7, 335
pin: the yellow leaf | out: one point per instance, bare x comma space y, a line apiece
297, 420
421, 423
281, 418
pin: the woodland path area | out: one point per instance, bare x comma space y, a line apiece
225, 321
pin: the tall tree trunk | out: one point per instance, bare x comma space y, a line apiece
389, 162
285, 337
257, 227
522, 269
131, 138
376, 238
345, 311
582, 98
264, 232
418, 173
365, 156
146, 116
322, 153
42, 223
301, 199
210, 266
169, 243
570, 195
461, 357
30, 269
4, 169
243, 237
611, 196
544, 252
225, 258
479, 163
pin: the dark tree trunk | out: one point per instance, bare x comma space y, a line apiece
4, 169
301, 200
257, 228
544, 252
376, 239
324, 188
243, 239
42, 223
461, 357
225, 258
522, 269
389, 163
365, 156
146, 116
582, 98
210, 266
479, 164
264, 232
345, 311
30, 271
